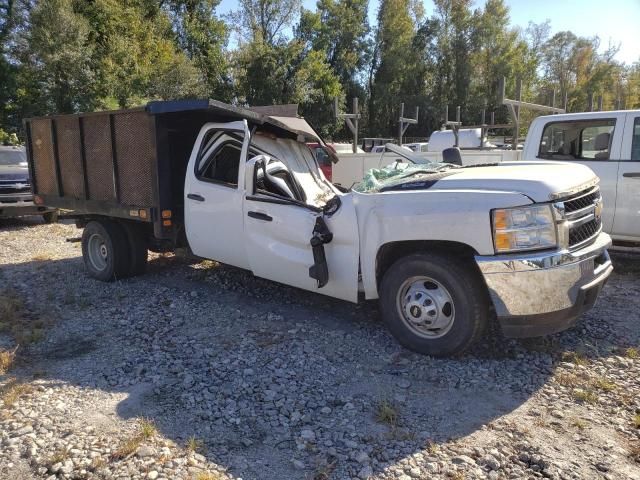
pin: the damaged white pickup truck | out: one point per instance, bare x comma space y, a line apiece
441, 246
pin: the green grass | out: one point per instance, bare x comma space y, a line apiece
127, 448
603, 384
387, 413
148, 429
58, 457
14, 319
194, 445
577, 358
585, 396
632, 353
209, 476
6, 360
12, 391
579, 424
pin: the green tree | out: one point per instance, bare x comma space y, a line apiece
339, 29
265, 20
270, 69
134, 50
285, 73
392, 64
203, 37
54, 70
8, 14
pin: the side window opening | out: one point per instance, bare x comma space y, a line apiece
276, 179
322, 156
221, 165
577, 140
595, 142
635, 141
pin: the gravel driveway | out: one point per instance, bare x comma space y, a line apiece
197, 370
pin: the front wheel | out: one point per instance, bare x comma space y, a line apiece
434, 304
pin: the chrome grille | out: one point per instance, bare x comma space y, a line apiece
584, 213
14, 186
581, 202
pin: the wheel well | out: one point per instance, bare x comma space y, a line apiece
390, 252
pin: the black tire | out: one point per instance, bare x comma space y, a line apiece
137, 249
463, 285
50, 217
113, 248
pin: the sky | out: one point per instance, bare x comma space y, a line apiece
617, 21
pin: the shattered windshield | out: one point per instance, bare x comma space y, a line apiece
379, 179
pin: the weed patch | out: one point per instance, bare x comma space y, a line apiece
603, 384
127, 448
58, 457
12, 391
579, 424
209, 476
6, 360
585, 396
194, 445
387, 413
577, 358
148, 429
24, 327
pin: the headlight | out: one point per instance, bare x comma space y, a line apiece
524, 228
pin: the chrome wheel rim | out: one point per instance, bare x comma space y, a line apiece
426, 307
98, 252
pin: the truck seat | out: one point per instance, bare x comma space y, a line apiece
601, 143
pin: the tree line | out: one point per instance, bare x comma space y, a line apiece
65, 56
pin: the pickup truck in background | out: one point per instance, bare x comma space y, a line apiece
443, 247
16, 198
609, 144
606, 142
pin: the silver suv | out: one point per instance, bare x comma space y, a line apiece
16, 197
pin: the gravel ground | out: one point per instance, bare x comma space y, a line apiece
201, 371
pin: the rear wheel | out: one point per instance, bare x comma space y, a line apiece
434, 304
105, 250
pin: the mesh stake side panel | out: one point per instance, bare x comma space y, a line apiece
69, 155
97, 144
135, 154
43, 159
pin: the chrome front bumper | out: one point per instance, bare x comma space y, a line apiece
541, 293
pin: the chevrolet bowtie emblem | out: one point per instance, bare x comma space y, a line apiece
597, 211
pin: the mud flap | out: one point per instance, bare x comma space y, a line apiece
319, 271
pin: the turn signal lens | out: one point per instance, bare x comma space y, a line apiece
166, 223
166, 213
500, 219
503, 241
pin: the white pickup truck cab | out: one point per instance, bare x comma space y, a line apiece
438, 248
444, 248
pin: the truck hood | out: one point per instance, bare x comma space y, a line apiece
540, 181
